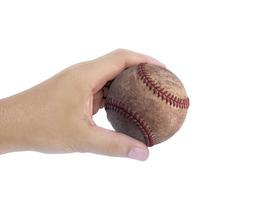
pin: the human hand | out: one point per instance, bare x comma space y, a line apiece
56, 115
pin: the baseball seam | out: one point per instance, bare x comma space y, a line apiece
135, 117
182, 103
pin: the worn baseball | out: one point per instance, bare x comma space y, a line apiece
147, 102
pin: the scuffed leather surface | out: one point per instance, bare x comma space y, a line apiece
164, 119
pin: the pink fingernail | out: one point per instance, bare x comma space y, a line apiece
156, 62
138, 154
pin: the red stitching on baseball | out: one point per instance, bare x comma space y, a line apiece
160, 91
135, 117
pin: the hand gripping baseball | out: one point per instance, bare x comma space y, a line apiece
56, 115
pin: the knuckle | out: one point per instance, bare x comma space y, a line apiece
113, 149
121, 52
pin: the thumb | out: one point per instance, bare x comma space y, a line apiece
111, 143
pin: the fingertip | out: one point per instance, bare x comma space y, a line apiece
155, 62
132, 57
148, 59
135, 149
138, 150
138, 153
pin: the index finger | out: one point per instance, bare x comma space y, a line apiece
107, 67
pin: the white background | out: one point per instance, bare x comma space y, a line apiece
217, 48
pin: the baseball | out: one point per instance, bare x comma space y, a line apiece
147, 102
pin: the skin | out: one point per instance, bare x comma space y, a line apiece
56, 115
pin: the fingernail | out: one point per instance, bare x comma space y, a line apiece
138, 154
160, 64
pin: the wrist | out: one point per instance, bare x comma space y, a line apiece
11, 127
